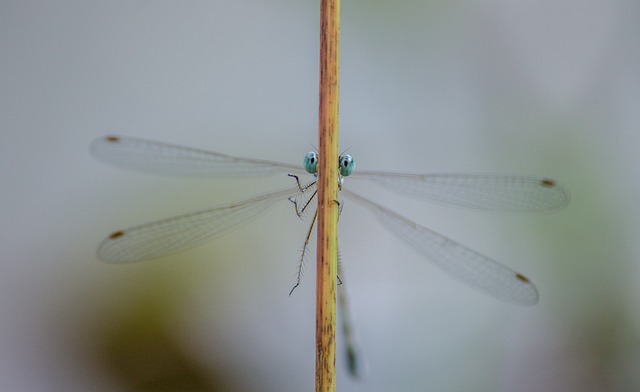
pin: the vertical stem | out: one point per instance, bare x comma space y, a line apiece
327, 265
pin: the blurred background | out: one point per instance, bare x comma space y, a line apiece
535, 87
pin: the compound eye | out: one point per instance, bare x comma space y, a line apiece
347, 165
311, 163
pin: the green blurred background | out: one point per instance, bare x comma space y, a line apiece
534, 87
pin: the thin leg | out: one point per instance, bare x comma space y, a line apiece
304, 253
302, 207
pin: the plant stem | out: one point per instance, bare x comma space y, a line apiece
327, 264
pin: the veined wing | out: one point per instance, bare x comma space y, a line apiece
488, 192
172, 235
457, 260
163, 158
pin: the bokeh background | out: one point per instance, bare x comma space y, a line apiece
535, 87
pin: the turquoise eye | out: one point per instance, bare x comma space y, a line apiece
311, 163
347, 165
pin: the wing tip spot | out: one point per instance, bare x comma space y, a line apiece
522, 278
116, 235
112, 139
549, 183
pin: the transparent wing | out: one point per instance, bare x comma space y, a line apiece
180, 233
488, 192
163, 158
457, 260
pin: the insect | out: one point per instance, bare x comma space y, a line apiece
488, 192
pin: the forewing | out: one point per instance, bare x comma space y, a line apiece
163, 158
488, 192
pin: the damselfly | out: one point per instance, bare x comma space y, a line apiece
488, 192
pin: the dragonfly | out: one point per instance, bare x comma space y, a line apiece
486, 192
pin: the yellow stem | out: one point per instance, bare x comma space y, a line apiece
327, 265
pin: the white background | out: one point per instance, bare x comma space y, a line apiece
534, 87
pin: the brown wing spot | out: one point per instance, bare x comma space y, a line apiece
548, 183
522, 278
112, 139
116, 234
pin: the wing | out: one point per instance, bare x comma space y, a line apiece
488, 192
173, 235
457, 260
162, 158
